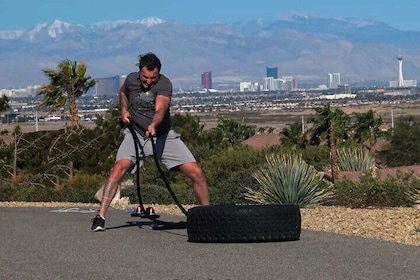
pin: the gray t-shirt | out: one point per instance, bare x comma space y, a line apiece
142, 104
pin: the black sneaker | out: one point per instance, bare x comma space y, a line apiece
98, 223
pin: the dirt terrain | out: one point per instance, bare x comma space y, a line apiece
277, 119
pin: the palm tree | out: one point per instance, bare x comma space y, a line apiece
67, 84
4, 103
234, 131
189, 126
292, 136
367, 126
334, 125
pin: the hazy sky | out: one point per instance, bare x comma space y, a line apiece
24, 14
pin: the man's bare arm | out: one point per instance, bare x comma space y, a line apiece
125, 113
161, 107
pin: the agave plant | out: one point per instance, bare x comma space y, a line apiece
354, 159
288, 179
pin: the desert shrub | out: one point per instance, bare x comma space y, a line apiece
229, 173
317, 156
28, 187
81, 188
36, 193
232, 189
371, 192
150, 194
7, 190
183, 191
405, 144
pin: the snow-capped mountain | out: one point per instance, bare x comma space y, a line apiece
303, 46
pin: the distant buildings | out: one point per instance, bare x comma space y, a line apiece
31, 91
103, 86
206, 80
248, 86
336, 81
285, 83
271, 82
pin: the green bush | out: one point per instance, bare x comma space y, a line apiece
232, 189
317, 156
36, 193
81, 188
7, 191
150, 194
229, 173
372, 192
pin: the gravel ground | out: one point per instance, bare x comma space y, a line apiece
401, 225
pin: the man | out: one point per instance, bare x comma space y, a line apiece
144, 99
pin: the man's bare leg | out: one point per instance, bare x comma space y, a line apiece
110, 189
111, 186
196, 174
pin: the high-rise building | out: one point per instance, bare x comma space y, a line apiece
272, 72
109, 86
334, 80
206, 82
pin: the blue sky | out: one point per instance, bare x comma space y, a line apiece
24, 14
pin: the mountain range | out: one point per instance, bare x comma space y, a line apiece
304, 46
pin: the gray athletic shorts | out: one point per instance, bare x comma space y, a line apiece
170, 149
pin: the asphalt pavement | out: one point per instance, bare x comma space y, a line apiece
49, 243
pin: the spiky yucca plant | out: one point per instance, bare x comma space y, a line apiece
414, 194
354, 159
288, 179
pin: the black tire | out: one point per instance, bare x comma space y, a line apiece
243, 223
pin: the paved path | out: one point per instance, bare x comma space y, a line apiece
40, 244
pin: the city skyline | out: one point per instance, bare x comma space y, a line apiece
271, 81
107, 85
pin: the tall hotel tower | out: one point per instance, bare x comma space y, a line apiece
400, 71
206, 82
334, 80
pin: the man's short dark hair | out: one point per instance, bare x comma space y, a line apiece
150, 60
